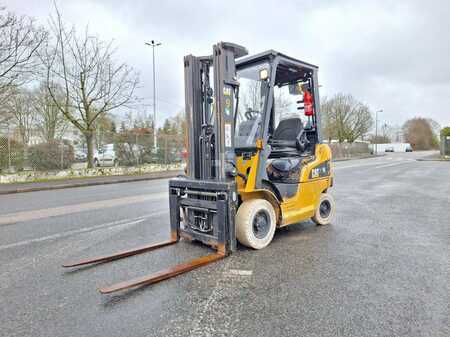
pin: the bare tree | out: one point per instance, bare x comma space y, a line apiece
23, 114
419, 133
328, 120
92, 83
50, 122
385, 135
250, 98
380, 139
396, 133
285, 104
435, 126
345, 118
5, 113
104, 130
20, 38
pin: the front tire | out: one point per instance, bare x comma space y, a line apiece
255, 223
325, 210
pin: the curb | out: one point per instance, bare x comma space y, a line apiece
160, 175
437, 159
354, 158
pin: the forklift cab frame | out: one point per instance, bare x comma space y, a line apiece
282, 71
228, 165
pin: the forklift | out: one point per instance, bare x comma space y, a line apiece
256, 161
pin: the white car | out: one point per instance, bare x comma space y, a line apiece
105, 156
80, 155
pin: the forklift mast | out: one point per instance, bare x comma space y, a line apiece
210, 111
203, 204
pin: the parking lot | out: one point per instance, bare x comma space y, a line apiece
381, 269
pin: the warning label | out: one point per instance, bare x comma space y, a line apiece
227, 135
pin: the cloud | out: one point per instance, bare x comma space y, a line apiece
391, 55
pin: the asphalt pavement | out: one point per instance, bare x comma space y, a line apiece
381, 269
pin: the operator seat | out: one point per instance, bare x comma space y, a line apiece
290, 133
288, 129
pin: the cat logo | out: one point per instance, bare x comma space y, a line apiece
323, 170
227, 91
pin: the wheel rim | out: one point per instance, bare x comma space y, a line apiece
261, 224
325, 209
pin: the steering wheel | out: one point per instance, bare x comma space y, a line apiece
302, 142
251, 114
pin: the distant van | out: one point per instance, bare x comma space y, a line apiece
105, 156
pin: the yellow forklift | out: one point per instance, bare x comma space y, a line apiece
256, 161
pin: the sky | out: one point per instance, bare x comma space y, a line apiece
392, 55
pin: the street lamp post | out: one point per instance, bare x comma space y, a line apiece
376, 130
9, 150
154, 44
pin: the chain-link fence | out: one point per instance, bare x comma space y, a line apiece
136, 147
131, 148
11, 152
126, 149
348, 150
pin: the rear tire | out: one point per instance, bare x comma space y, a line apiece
255, 223
325, 210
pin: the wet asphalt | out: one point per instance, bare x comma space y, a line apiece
381, 269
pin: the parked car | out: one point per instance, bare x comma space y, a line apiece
80, 156
389, 149
408, 149
106, 156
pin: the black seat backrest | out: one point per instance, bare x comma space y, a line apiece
288, 129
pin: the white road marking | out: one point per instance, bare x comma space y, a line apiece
393, 164
356, 165
239, 272
78, 208
119, 223
376, 164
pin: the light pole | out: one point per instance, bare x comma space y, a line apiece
376, 130
154, 44
9, 150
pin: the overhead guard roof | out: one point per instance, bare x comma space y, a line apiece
273, 53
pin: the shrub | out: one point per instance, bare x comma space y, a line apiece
134, 146
47, 156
